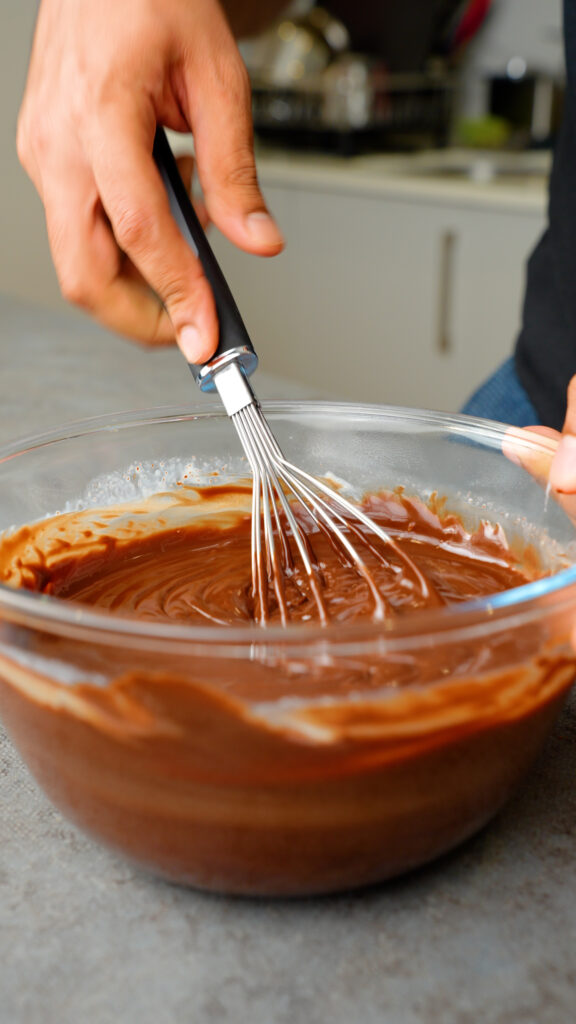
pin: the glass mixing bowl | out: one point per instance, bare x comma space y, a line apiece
298, 760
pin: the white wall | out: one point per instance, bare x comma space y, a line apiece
25, 265
531, 29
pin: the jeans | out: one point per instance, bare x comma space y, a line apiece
503, 398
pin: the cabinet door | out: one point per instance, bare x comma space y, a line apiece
350, 305
380, 299
483, 310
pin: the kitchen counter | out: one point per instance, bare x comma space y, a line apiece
486, 934
466, 177
514, 181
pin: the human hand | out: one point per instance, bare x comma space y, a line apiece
553, 465
563, 468
102, 75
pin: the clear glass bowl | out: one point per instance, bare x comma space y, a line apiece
299, 760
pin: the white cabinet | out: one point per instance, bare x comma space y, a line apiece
384, 297
491, 248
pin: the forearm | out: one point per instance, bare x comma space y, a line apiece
248, 17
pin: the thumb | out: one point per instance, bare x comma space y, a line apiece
563, 468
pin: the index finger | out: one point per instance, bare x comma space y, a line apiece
137, 206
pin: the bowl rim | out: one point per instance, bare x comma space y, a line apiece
506, 610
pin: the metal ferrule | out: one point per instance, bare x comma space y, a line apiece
233, 387
205, 376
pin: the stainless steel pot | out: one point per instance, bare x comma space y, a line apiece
297, 49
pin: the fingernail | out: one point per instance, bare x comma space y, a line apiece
263, 229
190, 343
563, 469
511, 444
511, 453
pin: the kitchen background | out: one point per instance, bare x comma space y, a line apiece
410, 195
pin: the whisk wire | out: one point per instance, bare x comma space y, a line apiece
275, 478
328, 516
357, 513
263, 569
268, 484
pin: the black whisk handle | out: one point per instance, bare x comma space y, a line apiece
234, 341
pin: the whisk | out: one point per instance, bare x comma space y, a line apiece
278, 485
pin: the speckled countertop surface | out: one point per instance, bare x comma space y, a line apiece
487, 934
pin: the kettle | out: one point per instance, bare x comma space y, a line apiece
297, 49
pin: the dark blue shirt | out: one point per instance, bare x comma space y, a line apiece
546, 348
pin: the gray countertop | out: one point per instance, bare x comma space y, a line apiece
487, 934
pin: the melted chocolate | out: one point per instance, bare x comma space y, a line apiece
200, 571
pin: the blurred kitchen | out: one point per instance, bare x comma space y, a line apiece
404, 149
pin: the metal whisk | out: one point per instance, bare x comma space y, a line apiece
279, 487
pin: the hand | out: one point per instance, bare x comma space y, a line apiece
102, 74
563, 468
552, 466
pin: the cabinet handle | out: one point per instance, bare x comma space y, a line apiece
447, 250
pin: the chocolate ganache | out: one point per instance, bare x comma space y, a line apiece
200, 571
